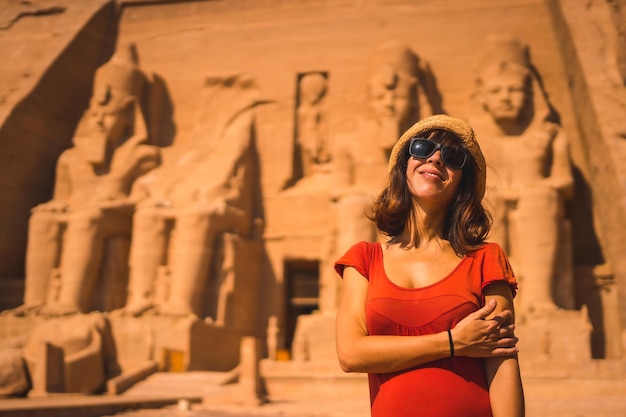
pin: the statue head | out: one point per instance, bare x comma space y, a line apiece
505, 91
504, 84
117, 90
312, 88
392, 92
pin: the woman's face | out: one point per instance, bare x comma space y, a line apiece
429, 180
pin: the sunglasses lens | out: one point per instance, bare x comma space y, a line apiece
454, 158
422, 148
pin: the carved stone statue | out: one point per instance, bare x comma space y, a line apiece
396, 98
312, 123
203, 189
392, 104
393, 91
68, 235
530, 172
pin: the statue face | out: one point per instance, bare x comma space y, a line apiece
104, 124
389, 96
312, 88
504, 94
106, 115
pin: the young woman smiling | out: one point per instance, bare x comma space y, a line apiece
428, 314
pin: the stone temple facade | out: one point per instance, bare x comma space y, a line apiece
178, 177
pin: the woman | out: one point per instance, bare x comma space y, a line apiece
410, 313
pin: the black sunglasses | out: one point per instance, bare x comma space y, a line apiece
451, 156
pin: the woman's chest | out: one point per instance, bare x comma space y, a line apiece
441, 303
418, 270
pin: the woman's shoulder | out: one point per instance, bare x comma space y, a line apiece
365, 247
487, 248
360, 256
495, 266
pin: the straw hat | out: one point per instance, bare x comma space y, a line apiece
452, 125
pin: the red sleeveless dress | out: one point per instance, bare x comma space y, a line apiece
450, 387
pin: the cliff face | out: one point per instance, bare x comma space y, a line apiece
594, 36
51, 50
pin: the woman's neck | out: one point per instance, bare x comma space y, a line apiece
422, 229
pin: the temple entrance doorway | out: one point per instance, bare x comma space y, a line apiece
301, 293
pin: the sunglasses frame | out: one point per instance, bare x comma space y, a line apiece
438, 147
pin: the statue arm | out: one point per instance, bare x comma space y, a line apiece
561, 170
63, 181
131, 160
233, 184
62, 185
135, 157
229, 191
141, 189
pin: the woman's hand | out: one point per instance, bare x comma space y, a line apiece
476, 337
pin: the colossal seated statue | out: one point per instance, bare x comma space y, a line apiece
392, 94
203, 189
530, 171
400, 91
396, 97
68, 235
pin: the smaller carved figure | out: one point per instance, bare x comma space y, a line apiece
312, 123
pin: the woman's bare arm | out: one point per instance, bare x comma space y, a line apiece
359, 352
503, 374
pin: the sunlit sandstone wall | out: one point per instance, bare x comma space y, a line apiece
593, 36
274, 42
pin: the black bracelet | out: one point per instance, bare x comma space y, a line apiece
451, 343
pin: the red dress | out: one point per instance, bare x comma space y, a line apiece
450, 387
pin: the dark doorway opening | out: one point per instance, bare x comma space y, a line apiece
301, 292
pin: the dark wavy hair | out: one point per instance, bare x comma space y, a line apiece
467, 222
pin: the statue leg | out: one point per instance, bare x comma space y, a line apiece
192, 253
497, 207
147, 252
42, 255
80, 262
539, 210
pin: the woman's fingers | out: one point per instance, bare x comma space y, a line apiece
505, 351
505, 331
507, 341
503, 317
476, 335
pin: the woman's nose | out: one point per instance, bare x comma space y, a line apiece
435, 158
